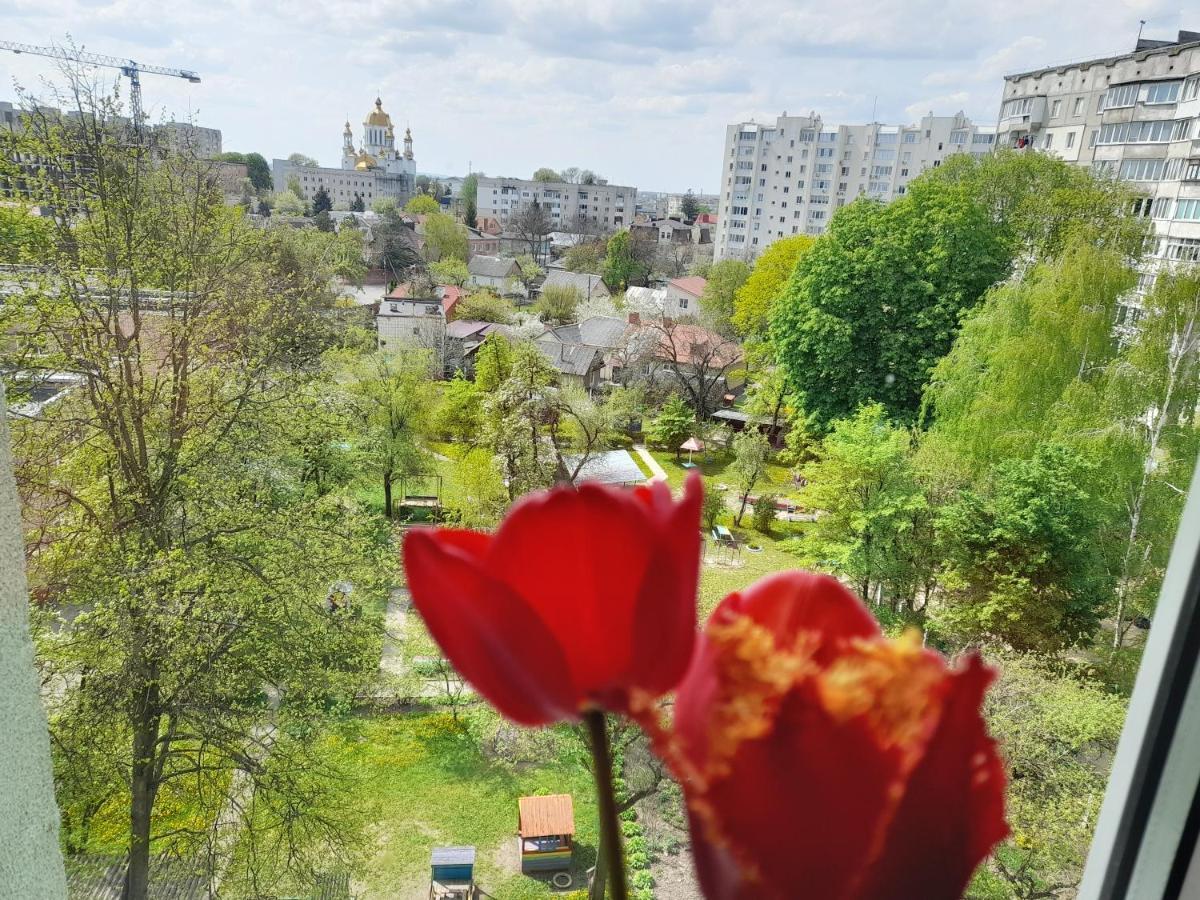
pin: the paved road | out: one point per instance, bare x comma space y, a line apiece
659, 473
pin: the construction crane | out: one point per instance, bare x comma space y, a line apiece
129, 68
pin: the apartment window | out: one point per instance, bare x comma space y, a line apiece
1140, 132
1070, 139
827, 137
1142, 169
824, 168
1183, 249
1163, 92
1055, 109
763, 167
878, 187
816, 215
884, 155
819, 200
886, 138
762, 182
881, 171
1192, 170
841, 187
1093, 137
910, 137
904, 173
1161, 208
1078, 110
1191, 88
845, 171
1019, 107
1048, 141
825, 152
1188, 209
746, 135
1123, 95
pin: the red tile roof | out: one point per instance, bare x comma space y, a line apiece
450, 297
692, 284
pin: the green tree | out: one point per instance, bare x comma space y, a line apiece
484, 306
689, 207
358, 204
257, 169
513, 417
444, 238
24, 237
622, 263
299, 159
264, 209
422, 204
386, 207
713, 506
673, 425
475, 493
876, 302
763, 513
750, 452
529, 272
1023, 560
288, 203
459, 413
1059, 733
716, 303
469, 194
869, 505
544, 174
321, 202
493, 362
450, 271
1033, 350
392, 394
180, 536
585, 257
323, 221
754, 299
557, 304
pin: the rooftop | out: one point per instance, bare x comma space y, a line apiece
492, 266
584, 282
609, 467
691, 284
546, 816
1145, 48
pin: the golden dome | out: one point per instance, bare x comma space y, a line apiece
378, 117
365, 161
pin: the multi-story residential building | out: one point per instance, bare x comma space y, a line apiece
604, 206
376, 169
1132, 116
788, 178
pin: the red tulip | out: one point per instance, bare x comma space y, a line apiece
821, 759
582, 598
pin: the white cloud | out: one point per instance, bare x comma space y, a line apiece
639, 91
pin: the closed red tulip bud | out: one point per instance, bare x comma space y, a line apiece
821, 759
582, 598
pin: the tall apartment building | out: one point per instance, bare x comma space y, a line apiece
1132, 116
788, 178
607, 206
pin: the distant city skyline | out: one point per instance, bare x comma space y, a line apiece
640, 93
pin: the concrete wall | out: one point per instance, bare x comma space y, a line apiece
31, 863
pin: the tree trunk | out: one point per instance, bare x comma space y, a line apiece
742, 510
143, 787
387, 495
600, 877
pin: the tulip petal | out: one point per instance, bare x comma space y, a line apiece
594, 550
665, 618
793, 603
495, 641
952, 813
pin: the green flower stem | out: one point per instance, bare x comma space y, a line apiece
610, 826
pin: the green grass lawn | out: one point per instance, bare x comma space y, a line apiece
777, 479
426, 783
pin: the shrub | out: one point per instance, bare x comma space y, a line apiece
714, 505
763, 516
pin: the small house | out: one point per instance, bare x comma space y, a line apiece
546, 832
452, 873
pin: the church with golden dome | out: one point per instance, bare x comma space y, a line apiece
377, 149
374, 170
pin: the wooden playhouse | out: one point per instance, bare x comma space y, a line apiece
546, 833
452, 873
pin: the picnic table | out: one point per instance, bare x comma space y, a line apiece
723, 535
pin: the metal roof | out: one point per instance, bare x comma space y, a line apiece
453, 856
609, 467
491, 266
587, 284
546, 816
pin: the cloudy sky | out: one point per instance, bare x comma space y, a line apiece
638, 90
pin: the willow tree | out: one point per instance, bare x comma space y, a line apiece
181, 564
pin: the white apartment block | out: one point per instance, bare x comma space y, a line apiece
788, 178
1133, 117
608, 206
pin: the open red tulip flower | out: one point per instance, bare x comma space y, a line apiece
821, 759
582, 599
